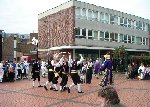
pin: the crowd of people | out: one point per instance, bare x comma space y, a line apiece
138, 72
60, 66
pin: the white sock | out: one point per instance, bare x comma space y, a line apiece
51, 85
33, 83
60, 87
55, 85
79, 87
46, 83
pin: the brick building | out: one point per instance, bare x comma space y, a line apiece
80, 27
24, 47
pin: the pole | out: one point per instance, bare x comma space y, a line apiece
37, 51
15, 43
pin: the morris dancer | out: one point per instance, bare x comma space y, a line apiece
108, 76
74, 74
36, 72
65, 71
50, 68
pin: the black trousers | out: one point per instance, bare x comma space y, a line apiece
50, 76
11, 76
75, 78
36, 75
89, 75
64, 80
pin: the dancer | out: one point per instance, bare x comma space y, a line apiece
50, 68
108, 76
36, 72
74, 74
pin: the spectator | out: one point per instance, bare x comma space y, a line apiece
109, 97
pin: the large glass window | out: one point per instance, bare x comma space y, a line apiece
77, 12
138, 40
106, 36
95, 15
95, 35
102, 36
90, 34
121, 21
90, 14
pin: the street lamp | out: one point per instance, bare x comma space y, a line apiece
35, 42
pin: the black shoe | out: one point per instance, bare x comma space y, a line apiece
68, 90
80, 92
45, 87
40, 86
51, 88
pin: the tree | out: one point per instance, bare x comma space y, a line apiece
120, 59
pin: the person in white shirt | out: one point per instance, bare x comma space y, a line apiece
141, 72
1, 71
43, 68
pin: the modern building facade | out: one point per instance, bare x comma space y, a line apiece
80, 27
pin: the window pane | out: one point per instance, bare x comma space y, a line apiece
107, 18
102, 17
116, 37
95, 15
102, 36
89, 32
90, 14
129, 23
77, 31
125, 39
96, 35
84, 13
121, 38
106, 36
121, 21
129, 39
125, 22
140, 25
138, 40
133, 39
83, 33
112, 36
112, 19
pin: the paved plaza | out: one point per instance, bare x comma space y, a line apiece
132, 93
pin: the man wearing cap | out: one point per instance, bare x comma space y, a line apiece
108, 76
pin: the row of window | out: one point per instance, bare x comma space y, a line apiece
109, 36
88, 14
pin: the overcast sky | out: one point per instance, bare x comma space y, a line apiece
21, 16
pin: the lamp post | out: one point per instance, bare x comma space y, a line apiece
35, 42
